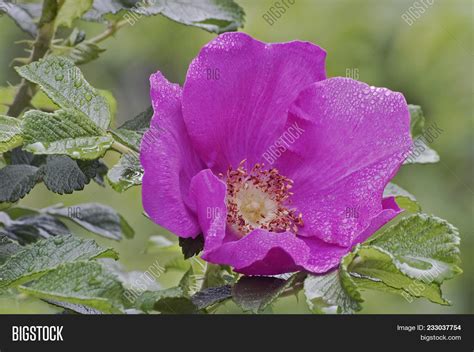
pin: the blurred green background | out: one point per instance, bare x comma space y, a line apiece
430, 61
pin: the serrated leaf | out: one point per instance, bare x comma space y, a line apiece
76, 308
16, 181
71, 10
170, 301
96, 218
131, 132
30, 228
63, 174
374, 268
7, 248
46, 255
423, 247
127, 173
64, 84
212, 15
20, 14
327, 292
191, 246
403, 198
64, 132
10, 133
84, 283
80, 53
212, 295
255, 293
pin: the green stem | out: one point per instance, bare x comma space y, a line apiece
110, 31
122, 149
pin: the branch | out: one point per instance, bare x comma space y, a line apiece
40, 48
110, 31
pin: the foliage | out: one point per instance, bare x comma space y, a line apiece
57, 129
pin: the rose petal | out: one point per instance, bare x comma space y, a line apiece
355, 139
169, 162
237, 94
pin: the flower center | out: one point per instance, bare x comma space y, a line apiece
259, 199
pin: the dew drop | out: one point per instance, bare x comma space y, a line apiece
59, 77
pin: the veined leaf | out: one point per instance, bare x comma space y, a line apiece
30, 228
423, 247
403, 198
64, 132
71, 10
212, 295
7, 248
64, 175
255, 293
96, 218
329, 292
374, 269
83, 283
16, 181
131, 132
21, 15
212, 15
10, 133
169, 301
46, 255
420, 153
64, 84
127, 173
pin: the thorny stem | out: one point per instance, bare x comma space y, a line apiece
40, 48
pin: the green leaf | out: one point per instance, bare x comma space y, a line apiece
64, 175
71, 10
65, 85
191, 246
127, 173
84, 283
403, 198
16, 181
7, 94
170, 301
157, 244
7, 248
212, 15
81, 53
421, 153
131, 132
10, 133
423, 247
72, 307
46, 255
30, 228
212, 295
64, 132
331, 291
255, 293
96, 218
216, 16
374, 268
20, 14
